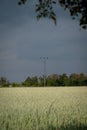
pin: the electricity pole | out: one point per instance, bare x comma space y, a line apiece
44, 68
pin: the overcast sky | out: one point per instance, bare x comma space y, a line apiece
23, 40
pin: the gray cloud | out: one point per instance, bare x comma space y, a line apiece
23, 41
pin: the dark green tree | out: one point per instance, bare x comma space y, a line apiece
77, 8
41, 81
63, 80
82, 79
4, 82
35, 81
52, 80
27, 82
84, 82
30, 81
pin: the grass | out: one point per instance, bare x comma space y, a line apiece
62, 108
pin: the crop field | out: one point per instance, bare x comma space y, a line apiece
52, 108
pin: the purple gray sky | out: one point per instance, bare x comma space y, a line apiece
23, 40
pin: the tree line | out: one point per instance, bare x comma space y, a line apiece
51, 80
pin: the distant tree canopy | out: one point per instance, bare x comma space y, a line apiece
77, 8
4, 82
64, 80
51, 80
31, 81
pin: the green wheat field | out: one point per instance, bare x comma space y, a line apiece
41, 108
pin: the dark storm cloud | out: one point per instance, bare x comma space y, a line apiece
23, 41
